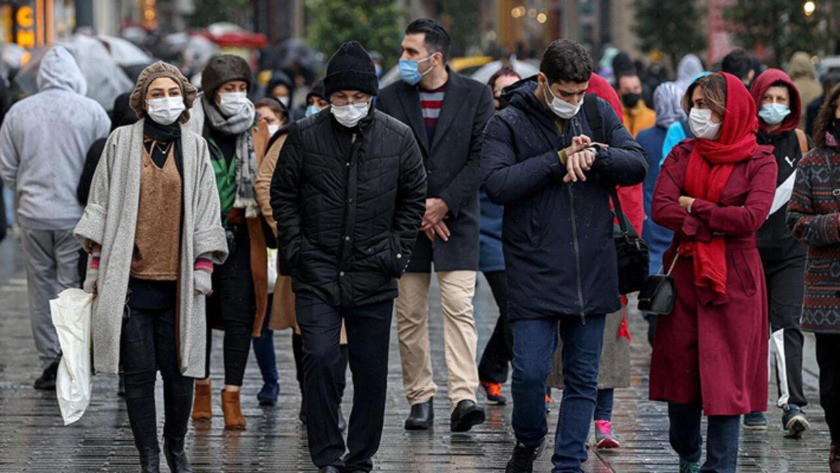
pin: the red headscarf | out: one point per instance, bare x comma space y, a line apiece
764, 82
709, 167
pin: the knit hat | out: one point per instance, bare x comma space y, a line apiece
317, 91
222, 69
351, 68
160, 69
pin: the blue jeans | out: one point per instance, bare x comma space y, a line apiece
722, 437
534, 343
264, 350
604, 405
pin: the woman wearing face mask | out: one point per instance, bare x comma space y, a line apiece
152, 224
710, 353
236, 139
274, 113
813, 215
315, 100
783, 258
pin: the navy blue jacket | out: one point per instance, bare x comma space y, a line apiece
658, 238
490, 256
557, 237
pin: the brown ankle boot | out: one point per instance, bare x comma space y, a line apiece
234, 420
202, 407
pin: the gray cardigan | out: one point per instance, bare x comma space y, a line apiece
110, 220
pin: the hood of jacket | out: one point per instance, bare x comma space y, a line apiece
801, 66
687, 69
521, 95
666, 103
764, 82
59, 70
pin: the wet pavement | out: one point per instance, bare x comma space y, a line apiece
33, 438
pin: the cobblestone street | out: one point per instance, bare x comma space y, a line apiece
33, 439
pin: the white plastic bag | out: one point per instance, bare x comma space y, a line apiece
71, 314
272, 269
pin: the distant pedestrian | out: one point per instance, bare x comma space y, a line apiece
540, 162
740, 64
225, 117
828, 81
498, 353
447, 113
804, 75
782, 257
315, 100
710, 352
43, 142
153, 231
637, 115
347, 196
812, 215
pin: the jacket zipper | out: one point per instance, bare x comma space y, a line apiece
577, 254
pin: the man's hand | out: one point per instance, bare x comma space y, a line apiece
440, 229
577, 164
436, 210
579, 143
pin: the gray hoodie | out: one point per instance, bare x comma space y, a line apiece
43, 143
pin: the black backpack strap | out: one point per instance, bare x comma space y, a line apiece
594, 118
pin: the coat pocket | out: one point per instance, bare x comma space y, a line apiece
743, 270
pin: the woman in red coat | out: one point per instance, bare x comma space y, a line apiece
710, 353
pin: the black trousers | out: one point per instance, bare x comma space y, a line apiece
233, 303
368, 336
495, 360
148, 344
785, 291
340, 378
828, 358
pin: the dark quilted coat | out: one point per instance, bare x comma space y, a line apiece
348, 205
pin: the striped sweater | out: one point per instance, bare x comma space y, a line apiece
813, 214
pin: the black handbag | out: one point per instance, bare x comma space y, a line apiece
659, 292
631, 253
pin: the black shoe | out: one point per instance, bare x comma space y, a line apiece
342, 423
176, 457
466, 415
755, 421
302, 413
121, 386
794, 421
422, 416
47, 380
150, 460
329, 469
522, 460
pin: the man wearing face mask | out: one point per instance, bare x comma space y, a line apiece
539, 160
637, 115
225, 117
782, 256
348, 198
447, 113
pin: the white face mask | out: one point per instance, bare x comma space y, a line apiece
351, 114
560, 107
284, 101
272, 129
231, 103
700, 122
165, 110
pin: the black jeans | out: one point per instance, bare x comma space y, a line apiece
340, 374
721, 442
233, 303
368, 335
828, 358
498, 353
148, 344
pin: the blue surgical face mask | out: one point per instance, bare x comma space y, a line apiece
410, 72
312, 110
773, 113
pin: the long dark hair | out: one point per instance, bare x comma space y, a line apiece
825, 117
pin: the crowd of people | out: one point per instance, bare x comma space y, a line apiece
190, 210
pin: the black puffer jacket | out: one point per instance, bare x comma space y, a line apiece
348, 205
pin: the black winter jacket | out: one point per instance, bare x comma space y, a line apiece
775, 240
348, 205
557, 237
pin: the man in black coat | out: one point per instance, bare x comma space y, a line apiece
541, 161
447, 113
348, 197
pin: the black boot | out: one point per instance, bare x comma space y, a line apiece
176, 457
46, 382
150, 460
421, 417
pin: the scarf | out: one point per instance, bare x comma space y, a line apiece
709, 167
666, 102
246, 158
165, 134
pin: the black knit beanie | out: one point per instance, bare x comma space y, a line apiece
351, 68
222, 69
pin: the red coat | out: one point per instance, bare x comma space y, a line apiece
712, 347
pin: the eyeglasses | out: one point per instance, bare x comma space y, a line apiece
341, 102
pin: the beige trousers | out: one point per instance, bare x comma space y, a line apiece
459, 335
